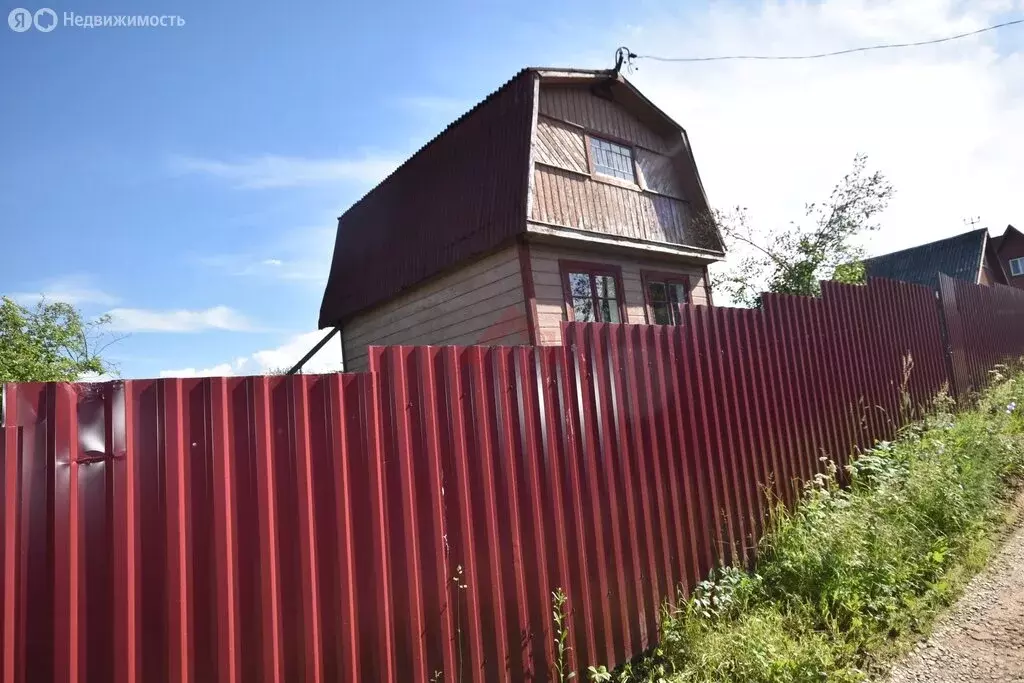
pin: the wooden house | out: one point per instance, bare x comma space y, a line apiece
564, 195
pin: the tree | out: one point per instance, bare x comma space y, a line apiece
51, 342
794, 259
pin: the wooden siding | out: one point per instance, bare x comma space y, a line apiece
579, 106
570, 200
563, 192
658, 173
481, 303
1012, 247
560, 145
550, 297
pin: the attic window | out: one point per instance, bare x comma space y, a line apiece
612, 159
1016, 266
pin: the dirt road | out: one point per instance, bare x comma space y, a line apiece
982, 637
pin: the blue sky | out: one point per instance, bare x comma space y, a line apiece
188, 178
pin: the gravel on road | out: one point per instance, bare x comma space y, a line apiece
981, 638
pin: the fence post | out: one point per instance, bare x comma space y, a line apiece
947, 345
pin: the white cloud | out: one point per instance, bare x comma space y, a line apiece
73, 289
143, 320
275, 360
97, 377
222, 370
272, 171
943, 122
327, 359
311, 267
298, 255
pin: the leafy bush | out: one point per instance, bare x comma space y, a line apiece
845, 578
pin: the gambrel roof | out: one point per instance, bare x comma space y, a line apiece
463, 194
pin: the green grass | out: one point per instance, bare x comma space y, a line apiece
851, 577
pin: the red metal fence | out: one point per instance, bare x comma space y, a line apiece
414, 520
984, 327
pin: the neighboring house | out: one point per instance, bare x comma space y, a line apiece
969, 256
1009, 248
564, 195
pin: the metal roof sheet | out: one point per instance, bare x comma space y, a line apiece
958, 257
462, 195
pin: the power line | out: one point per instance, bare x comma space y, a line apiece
887, 46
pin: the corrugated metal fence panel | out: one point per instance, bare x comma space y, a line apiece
985, 326
415, 519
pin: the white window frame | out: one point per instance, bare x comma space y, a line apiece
1017, 267
615, 147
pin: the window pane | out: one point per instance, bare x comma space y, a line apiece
664, 299
678, 293
606, 286
611, 159
1017, 266
609, 311
662, 315
579, 284
583, 310
656, 292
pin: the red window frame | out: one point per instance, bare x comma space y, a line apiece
565, 267
648, 276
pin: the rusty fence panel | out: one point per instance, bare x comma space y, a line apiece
410, 523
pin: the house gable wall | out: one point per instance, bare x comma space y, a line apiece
566, 193
479, 303
991, 269
1012, 247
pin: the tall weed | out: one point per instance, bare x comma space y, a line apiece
846, 576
